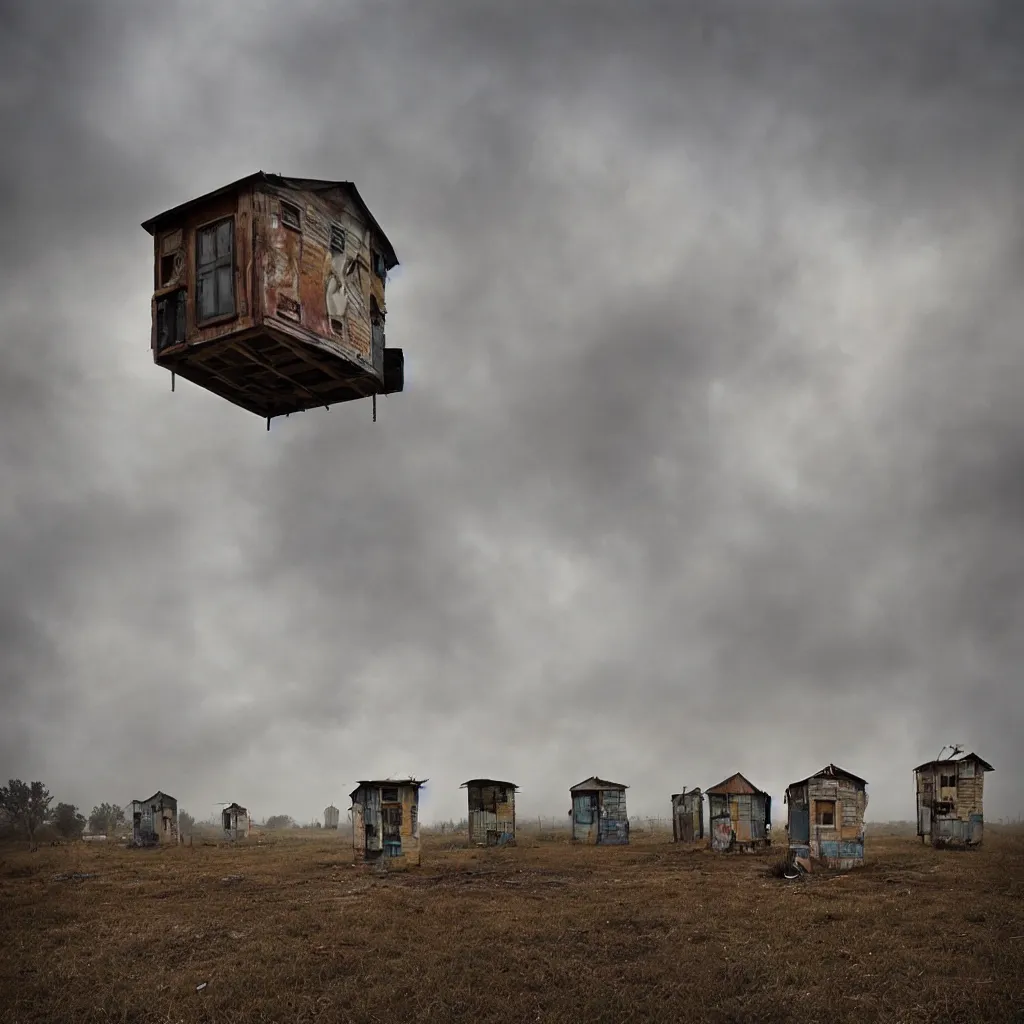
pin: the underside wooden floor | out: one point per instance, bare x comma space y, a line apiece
272, 376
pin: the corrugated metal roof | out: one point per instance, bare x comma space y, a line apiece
832, 771
489, 782
306, 184
595, 783
737, 783
952, 760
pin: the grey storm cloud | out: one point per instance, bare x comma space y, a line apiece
709, 458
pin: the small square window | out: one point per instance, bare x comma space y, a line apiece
389, 795
825, 813
291, 216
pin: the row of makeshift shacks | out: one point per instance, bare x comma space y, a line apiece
825, 820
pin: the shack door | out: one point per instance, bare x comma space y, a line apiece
799, 820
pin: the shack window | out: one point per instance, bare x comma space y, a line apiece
215, 270
337, 240
389, 795
825, 812
947, 782
414, 820
378, 266
966, 769
502, 795
291, 216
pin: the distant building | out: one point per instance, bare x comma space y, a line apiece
599, 812
492, 811
826, 818
235, 821
331, 816
687, 816
385, 821
739, 815
949, 799
154, 821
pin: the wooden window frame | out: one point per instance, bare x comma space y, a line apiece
212, 225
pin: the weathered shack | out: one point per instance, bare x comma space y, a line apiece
599, 812
154, 821
826, 818
687, 816
235, 821
739, 816
269, 292
492, 811
385, 821
949, 799
331, 816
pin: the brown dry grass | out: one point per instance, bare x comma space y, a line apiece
291, 930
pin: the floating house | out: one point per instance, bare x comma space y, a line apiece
385, 821
826, 818
599, 812
739, 816
235, 821
154, 821
687, 816
492, 811
269, 292
331, 817
949, 799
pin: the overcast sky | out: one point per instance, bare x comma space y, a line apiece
711, 454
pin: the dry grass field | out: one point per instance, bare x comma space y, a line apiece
288, 929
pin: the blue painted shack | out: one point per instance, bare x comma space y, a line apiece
826, 818
599, 812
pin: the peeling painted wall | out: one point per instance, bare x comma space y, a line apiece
317, 276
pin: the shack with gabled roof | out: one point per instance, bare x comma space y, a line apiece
826, 818
599, 812
269, 292
949, 798
155, 821
739, 815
